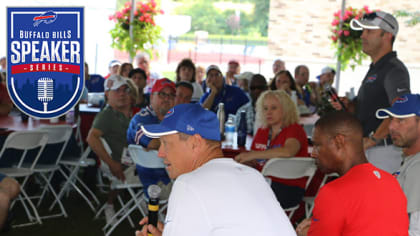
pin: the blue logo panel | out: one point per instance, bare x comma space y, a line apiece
45, 59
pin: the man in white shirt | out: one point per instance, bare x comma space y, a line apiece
404, 129
211, 195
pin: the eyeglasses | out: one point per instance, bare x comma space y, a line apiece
163, 95
373, 15
122, 90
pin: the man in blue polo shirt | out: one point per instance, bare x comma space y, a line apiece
232, 97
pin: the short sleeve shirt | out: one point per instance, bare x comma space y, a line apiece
387, 79
113, 124
259, 143
232, 97
408, 177
365, 201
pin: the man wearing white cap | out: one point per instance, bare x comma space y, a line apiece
113, 67
326, 78
405, 133
386, 79
212, 195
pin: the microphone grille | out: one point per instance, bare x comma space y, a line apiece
45, 89
153, 191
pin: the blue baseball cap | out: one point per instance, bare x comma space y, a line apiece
188, 119
405, 106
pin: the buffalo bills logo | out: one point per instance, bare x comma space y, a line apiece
371, 79
402, 99
169, 113
47, 18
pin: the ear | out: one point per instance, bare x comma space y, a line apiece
196, 142
339, 142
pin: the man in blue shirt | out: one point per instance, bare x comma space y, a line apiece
233, 97
161, 100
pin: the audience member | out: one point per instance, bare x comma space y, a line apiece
304, 90
257, 85
243, 79
186, 72
113, 67
138, 76
278, 65
364, 200
93, 82
233, 97
161, 100
134, 96
9, 190
111, 124
279, 135
233, 69
205, 182
3, 64
184, 92
404, 129
125, 69
386, 79
143, 62
326, 78
6, 103
283, 80
199, 74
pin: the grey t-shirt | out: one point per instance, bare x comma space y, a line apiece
387, 79
408, 177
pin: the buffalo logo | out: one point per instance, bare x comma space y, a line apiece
402, 99
371, 79
169, 113
377, 174
47, 18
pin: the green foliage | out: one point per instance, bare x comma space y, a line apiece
414, 17
208, 18
145, 32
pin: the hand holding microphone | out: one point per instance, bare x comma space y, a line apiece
336, 102
153, 207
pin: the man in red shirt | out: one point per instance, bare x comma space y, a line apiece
364, 200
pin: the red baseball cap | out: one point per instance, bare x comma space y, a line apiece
162, 83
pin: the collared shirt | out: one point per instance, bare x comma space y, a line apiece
233, 98
408, 177
387, 79
135, 135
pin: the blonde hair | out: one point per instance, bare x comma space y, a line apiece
289, 110
134, 91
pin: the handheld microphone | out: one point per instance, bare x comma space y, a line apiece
333, 95
154, 192
45, 91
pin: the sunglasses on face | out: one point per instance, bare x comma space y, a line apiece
373, 15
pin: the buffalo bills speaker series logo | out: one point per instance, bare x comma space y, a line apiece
45, 63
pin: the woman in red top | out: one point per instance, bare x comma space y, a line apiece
279, 136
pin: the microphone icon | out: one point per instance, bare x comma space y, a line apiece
45, 91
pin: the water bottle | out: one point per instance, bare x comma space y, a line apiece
242, 130
229, 131
293, 96
221, 117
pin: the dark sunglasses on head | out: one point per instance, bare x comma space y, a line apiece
373, 15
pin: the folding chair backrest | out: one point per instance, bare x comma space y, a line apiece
25, 141
57, 134
147, 159
290, 168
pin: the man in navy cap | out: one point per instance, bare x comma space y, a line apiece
405, 133
211, 194
386, 79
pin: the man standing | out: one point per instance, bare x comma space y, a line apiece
405, 133
364, 200
211, 195
232, 96
386, 79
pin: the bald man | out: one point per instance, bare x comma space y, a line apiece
364, 200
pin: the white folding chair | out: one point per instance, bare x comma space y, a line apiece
47, 166
125, 211
290, 168
309, 201
69, 168
24, 141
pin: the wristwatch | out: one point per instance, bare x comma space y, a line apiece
373, 138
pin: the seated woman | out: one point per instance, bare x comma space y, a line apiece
138, 76
284, 80
281, 136
186, 72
